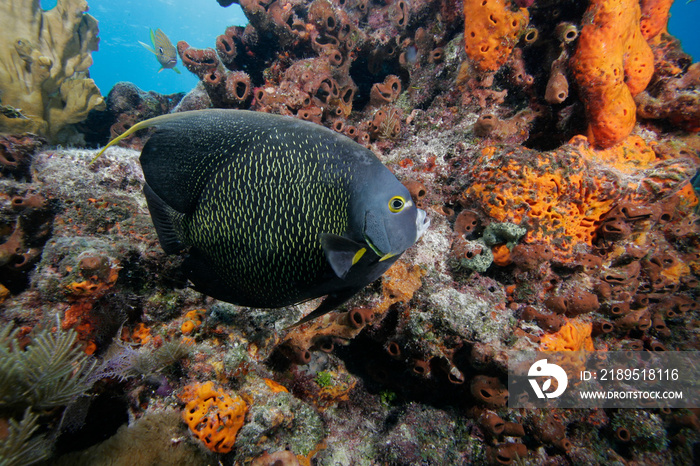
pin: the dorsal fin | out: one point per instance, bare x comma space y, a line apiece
137, 127
190, 149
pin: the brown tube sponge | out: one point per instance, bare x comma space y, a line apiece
238, 88
493, 424
531, 256
581, 302
623, 434
634, 319
557, 87
485, 125
602, 327
225, 47
660, 326
489, 391
421, 367
548, 322
417, 190
513, 429
359, 317
313, 114
466, 222
506, 453
386, 92
198, 61
393, 349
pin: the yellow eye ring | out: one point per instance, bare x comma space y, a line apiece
396, 204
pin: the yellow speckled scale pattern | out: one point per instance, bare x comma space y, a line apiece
283, 249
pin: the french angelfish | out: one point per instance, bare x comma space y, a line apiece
273, 210
164, 50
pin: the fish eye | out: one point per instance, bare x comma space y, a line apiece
396, 204
160, 49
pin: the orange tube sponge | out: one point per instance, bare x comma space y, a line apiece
491, 30
612, 64
654, 17
213, 415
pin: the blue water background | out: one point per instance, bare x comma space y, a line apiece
683, 24
123, 23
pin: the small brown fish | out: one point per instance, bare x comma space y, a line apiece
163, 49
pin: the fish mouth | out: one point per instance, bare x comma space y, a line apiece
422, 223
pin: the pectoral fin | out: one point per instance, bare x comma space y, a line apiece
341, 253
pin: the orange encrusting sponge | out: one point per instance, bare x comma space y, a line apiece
629, 156
214, 416
612, 64
491, 30
574, 336
554, 192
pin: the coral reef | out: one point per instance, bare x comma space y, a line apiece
399, 284
343, 65
126, 105
44, 57
151, 439
558, 222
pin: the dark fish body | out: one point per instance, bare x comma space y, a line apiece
274, 210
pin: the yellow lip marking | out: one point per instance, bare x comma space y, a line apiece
386, 256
